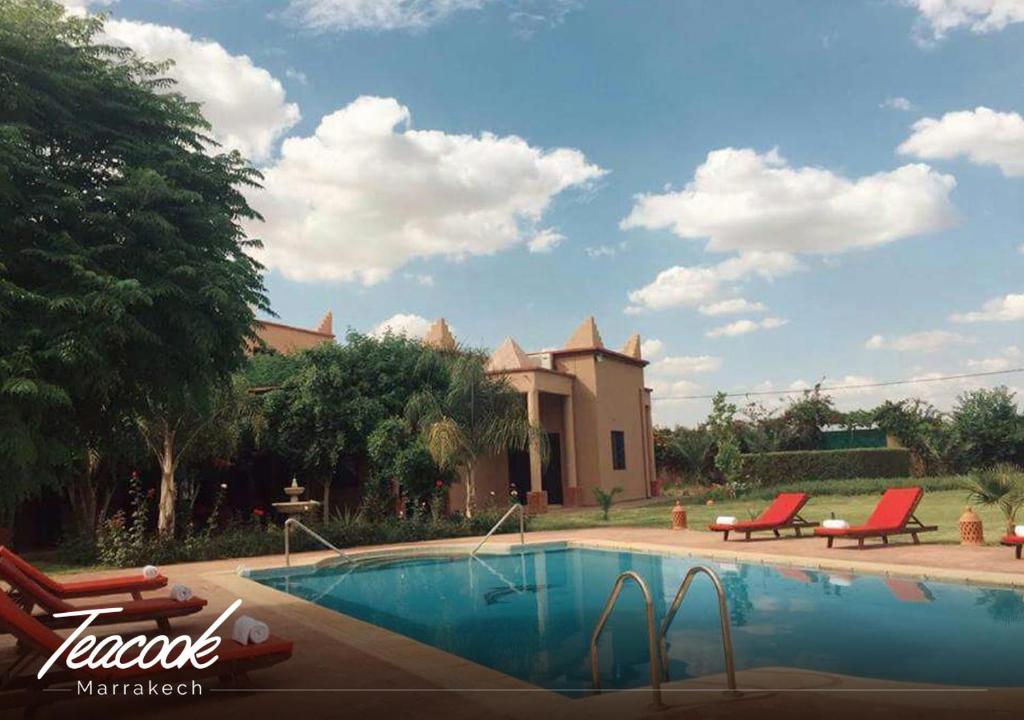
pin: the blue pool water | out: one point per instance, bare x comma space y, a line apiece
530, 615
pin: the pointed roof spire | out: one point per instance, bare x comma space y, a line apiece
585, 336
632, 346
509, 356
326, 324
440, 336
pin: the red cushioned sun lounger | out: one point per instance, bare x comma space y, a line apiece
132, 585
783, 513
27, 593
894, 515
1014, 541
36, 643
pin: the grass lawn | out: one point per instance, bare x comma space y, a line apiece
942, 508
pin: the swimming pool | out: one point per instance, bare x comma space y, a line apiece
530, 615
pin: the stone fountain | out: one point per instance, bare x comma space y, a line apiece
295, 506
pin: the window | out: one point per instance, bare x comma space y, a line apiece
618, 450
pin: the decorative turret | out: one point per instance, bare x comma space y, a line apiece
326, 324
509, 356
585, 336
440, 336
632, 346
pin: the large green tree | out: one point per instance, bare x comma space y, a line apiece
321, 416
125, 284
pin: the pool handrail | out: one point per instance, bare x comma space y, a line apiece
723, 617
652, 647
522, 533
293, 522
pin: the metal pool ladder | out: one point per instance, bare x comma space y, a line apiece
522, 537
292, 522
723, 618
652, 645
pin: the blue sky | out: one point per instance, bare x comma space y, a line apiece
773, 191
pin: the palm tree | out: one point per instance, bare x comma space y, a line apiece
478, 415
1002, 486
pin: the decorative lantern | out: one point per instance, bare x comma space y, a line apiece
970, 528
678, 517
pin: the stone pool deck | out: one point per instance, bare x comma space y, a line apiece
343, 667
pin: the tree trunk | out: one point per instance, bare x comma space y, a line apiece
327, 501
168, 490
470, 491
82, 494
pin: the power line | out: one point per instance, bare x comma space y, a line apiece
858, 386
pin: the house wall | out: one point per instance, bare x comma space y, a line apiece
285, 339
620, 407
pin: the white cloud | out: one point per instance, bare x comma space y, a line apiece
984, 136
742, 327
669, 390
925, 341
376, 14
1021, 249
652, 348
526, 16
733, 306
297, 75
1008, 308
545, 241
677, 365
742, 200
81, 7
244, 104
897, 103
600, 251
412, 326
1010, 357
705, 285
979, 16
421, 280
367, 193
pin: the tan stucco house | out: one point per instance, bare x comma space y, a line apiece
596, 411
590, 400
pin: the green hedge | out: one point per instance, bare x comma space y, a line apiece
776, 468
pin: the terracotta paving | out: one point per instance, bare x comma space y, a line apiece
345, 668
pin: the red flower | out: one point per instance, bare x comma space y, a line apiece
258, 512
151, 492
439, 483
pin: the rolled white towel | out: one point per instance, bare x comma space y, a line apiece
180, 592
150, 572
725, 520
250, 631
835, 524
1019, 531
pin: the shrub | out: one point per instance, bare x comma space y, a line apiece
771, 469
1001, 486
121, 547
852, 486
987, 428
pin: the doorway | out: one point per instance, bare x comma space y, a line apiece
551, 479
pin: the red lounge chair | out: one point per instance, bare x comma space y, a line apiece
36, 643
27, 593
134, 585
1014, 541
784, 512
894, 515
